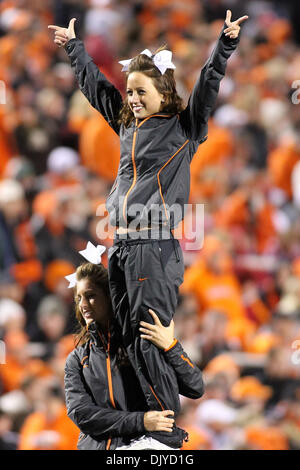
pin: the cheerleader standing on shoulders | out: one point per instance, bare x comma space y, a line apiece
158, 139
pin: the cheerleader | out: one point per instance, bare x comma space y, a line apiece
158, 139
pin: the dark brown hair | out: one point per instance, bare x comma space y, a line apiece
165, 84
98, 276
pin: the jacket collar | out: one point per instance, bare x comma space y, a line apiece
139, 122
96, 334
159, 114
101, 339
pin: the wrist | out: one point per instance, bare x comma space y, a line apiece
171, 345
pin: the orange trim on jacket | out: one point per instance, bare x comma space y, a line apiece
134, 176
172, 345
133, 159
160, 190
156, 398
187, 360
83, 359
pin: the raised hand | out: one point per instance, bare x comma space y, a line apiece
63, 35
161, 336
233, 27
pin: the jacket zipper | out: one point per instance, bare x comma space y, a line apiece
159, 172
134, 172
133, 160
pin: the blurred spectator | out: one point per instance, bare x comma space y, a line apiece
12, 315
188, 328
218, 418
213, 334
19, 363
8, 439
21, 169
266, 438
52, 319
281, 374
212, 280
49, 428
199, 439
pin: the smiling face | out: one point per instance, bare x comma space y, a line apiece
92, 302
143, 97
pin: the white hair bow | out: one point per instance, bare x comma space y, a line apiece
162, 60
92, 254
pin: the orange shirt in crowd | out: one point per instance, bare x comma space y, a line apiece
266, 438
6, 147
265, 232
17, 363
233, 210
37, 423
281, 162
211, 154
221, 292
99, 147
198, 440
215, 291
13, 372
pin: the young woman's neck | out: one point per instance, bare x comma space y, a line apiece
104, 324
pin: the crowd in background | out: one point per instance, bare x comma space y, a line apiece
238, 315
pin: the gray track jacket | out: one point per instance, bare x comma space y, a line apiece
104, 398
153, 180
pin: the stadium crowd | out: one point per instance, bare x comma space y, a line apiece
239, 312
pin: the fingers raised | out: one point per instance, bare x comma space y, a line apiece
72, 21
240, 20
56, 28
71, 27
59, 35
228, 17
236, 22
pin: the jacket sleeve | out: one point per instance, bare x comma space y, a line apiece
195, 117
89, 417
101, 94
189, 376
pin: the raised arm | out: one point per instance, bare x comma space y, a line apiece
189, 376
101, 94
203, 98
